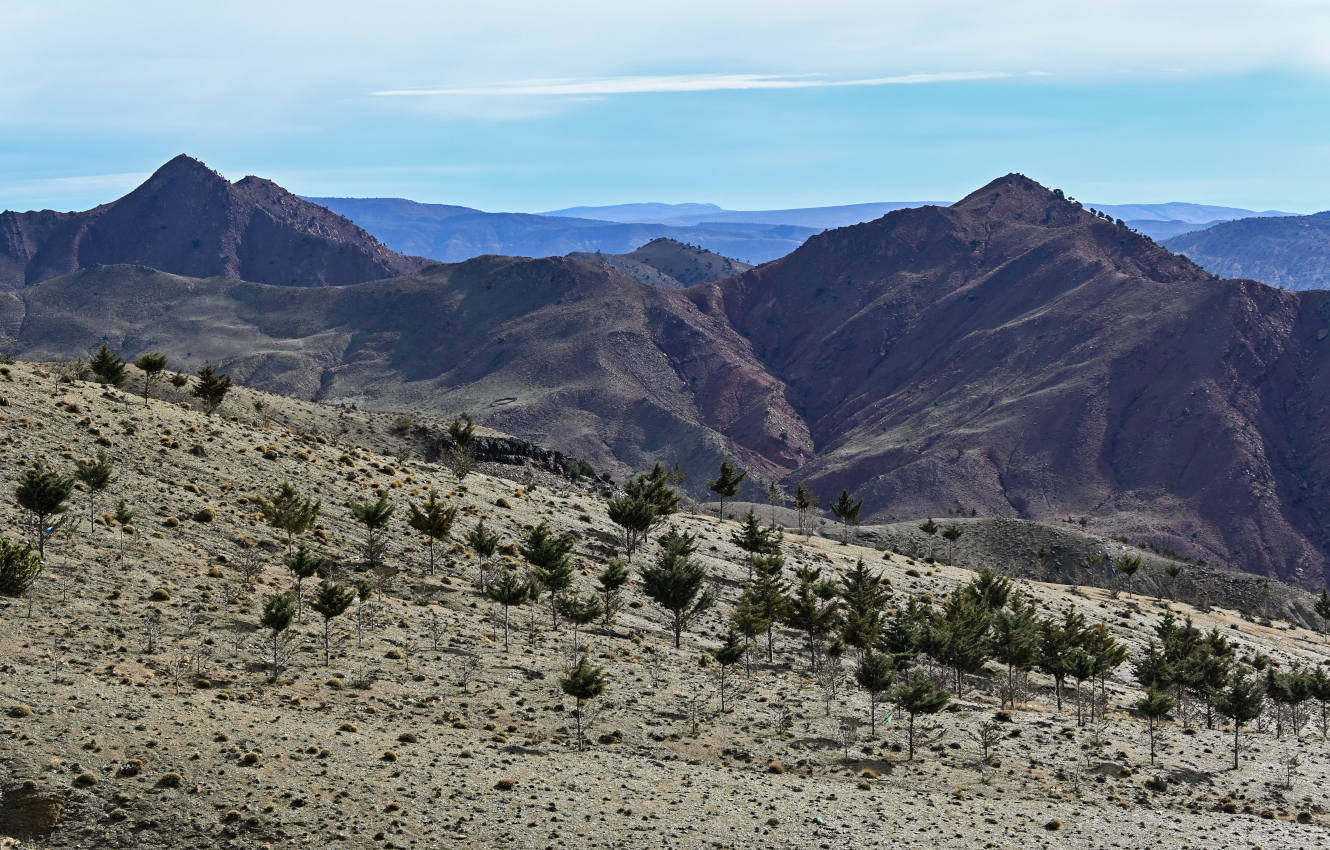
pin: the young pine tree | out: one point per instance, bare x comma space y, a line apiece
919, 697
876, 674
211, 387
434, 520
846, 509
931, 529
1016, 640
804, 501
731, 652
279, 610
44, 494
152, 365
552, 569
1323, 611
583, 682
676, 582
288, 513
610, 582
726, 485
863, 607
484, 543
303, 564
95, 475
634, 514
108, 368
330, 602
813, 608
509, 590
580, 611
460, 457
951, 534
1155, 705
754, 539
1241, 702
374, 516
19, 569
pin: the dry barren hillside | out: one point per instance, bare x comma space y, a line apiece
138, 709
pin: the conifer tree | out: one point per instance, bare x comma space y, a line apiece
95, 475
583, 682
509, 590
303, 564
919, 696
330, 602
863, 604
775, 498
484, 543
747, 620
152, 365
434, 520
374, 516
846, 509
930, 528
726, 485
804, 501
1016, 640
1106, 655
765, 597
19, 569
1241, 702
951, 534
875, 674
813, 608
461, 456
124, 515
676, 582
1173, 569
43, 493
634, 514
961, 635
279, 610
754, 539
1323, 611
1057, 639
551, 568
1155, 705
610, 581
580, 611
1127, 565
287, 512
107, 367
731, 652
211, 387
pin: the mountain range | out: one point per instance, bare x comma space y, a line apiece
1292, 252
1011, 355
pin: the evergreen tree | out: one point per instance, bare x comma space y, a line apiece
930, 528
747, 620
303, 564
95, 475
509, 590
484, 543
804, 501
19, 569
583, 682
1319, 686
1241, 702
43, 493
287, 512
916, 697
863, 604
634, 514
107, 367
1016, 640
1323, 611
1106, 655
460, 457
434, 520
1080, 666
951, 534
279, 610
961, 636
875, 674
552, 569
1173, 569
989, 589
676, 582
609, 581
152, 365
846, 509
211, 388
813, 608
755, 540
1057, 639
726, 484
731, 652
765, 597
1127, 565
579, 611
775, 498
907, 633
1155, 705
330, 602
374, 516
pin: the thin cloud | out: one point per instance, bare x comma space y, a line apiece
602, 86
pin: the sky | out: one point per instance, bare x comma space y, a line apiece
533, 106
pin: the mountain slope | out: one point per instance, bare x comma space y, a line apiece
188, 219
669, 264
452, 234
1292, 252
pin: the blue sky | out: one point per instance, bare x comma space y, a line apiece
532, 106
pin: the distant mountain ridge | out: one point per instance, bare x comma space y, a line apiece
669, 264
1291, 252
188, 219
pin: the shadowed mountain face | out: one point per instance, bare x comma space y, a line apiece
1011, 355
669, 264
1292, 252
188, 219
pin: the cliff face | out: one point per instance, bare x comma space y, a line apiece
187, 219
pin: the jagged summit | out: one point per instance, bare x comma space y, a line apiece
188, 219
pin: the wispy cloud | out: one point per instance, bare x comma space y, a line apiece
601, 86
